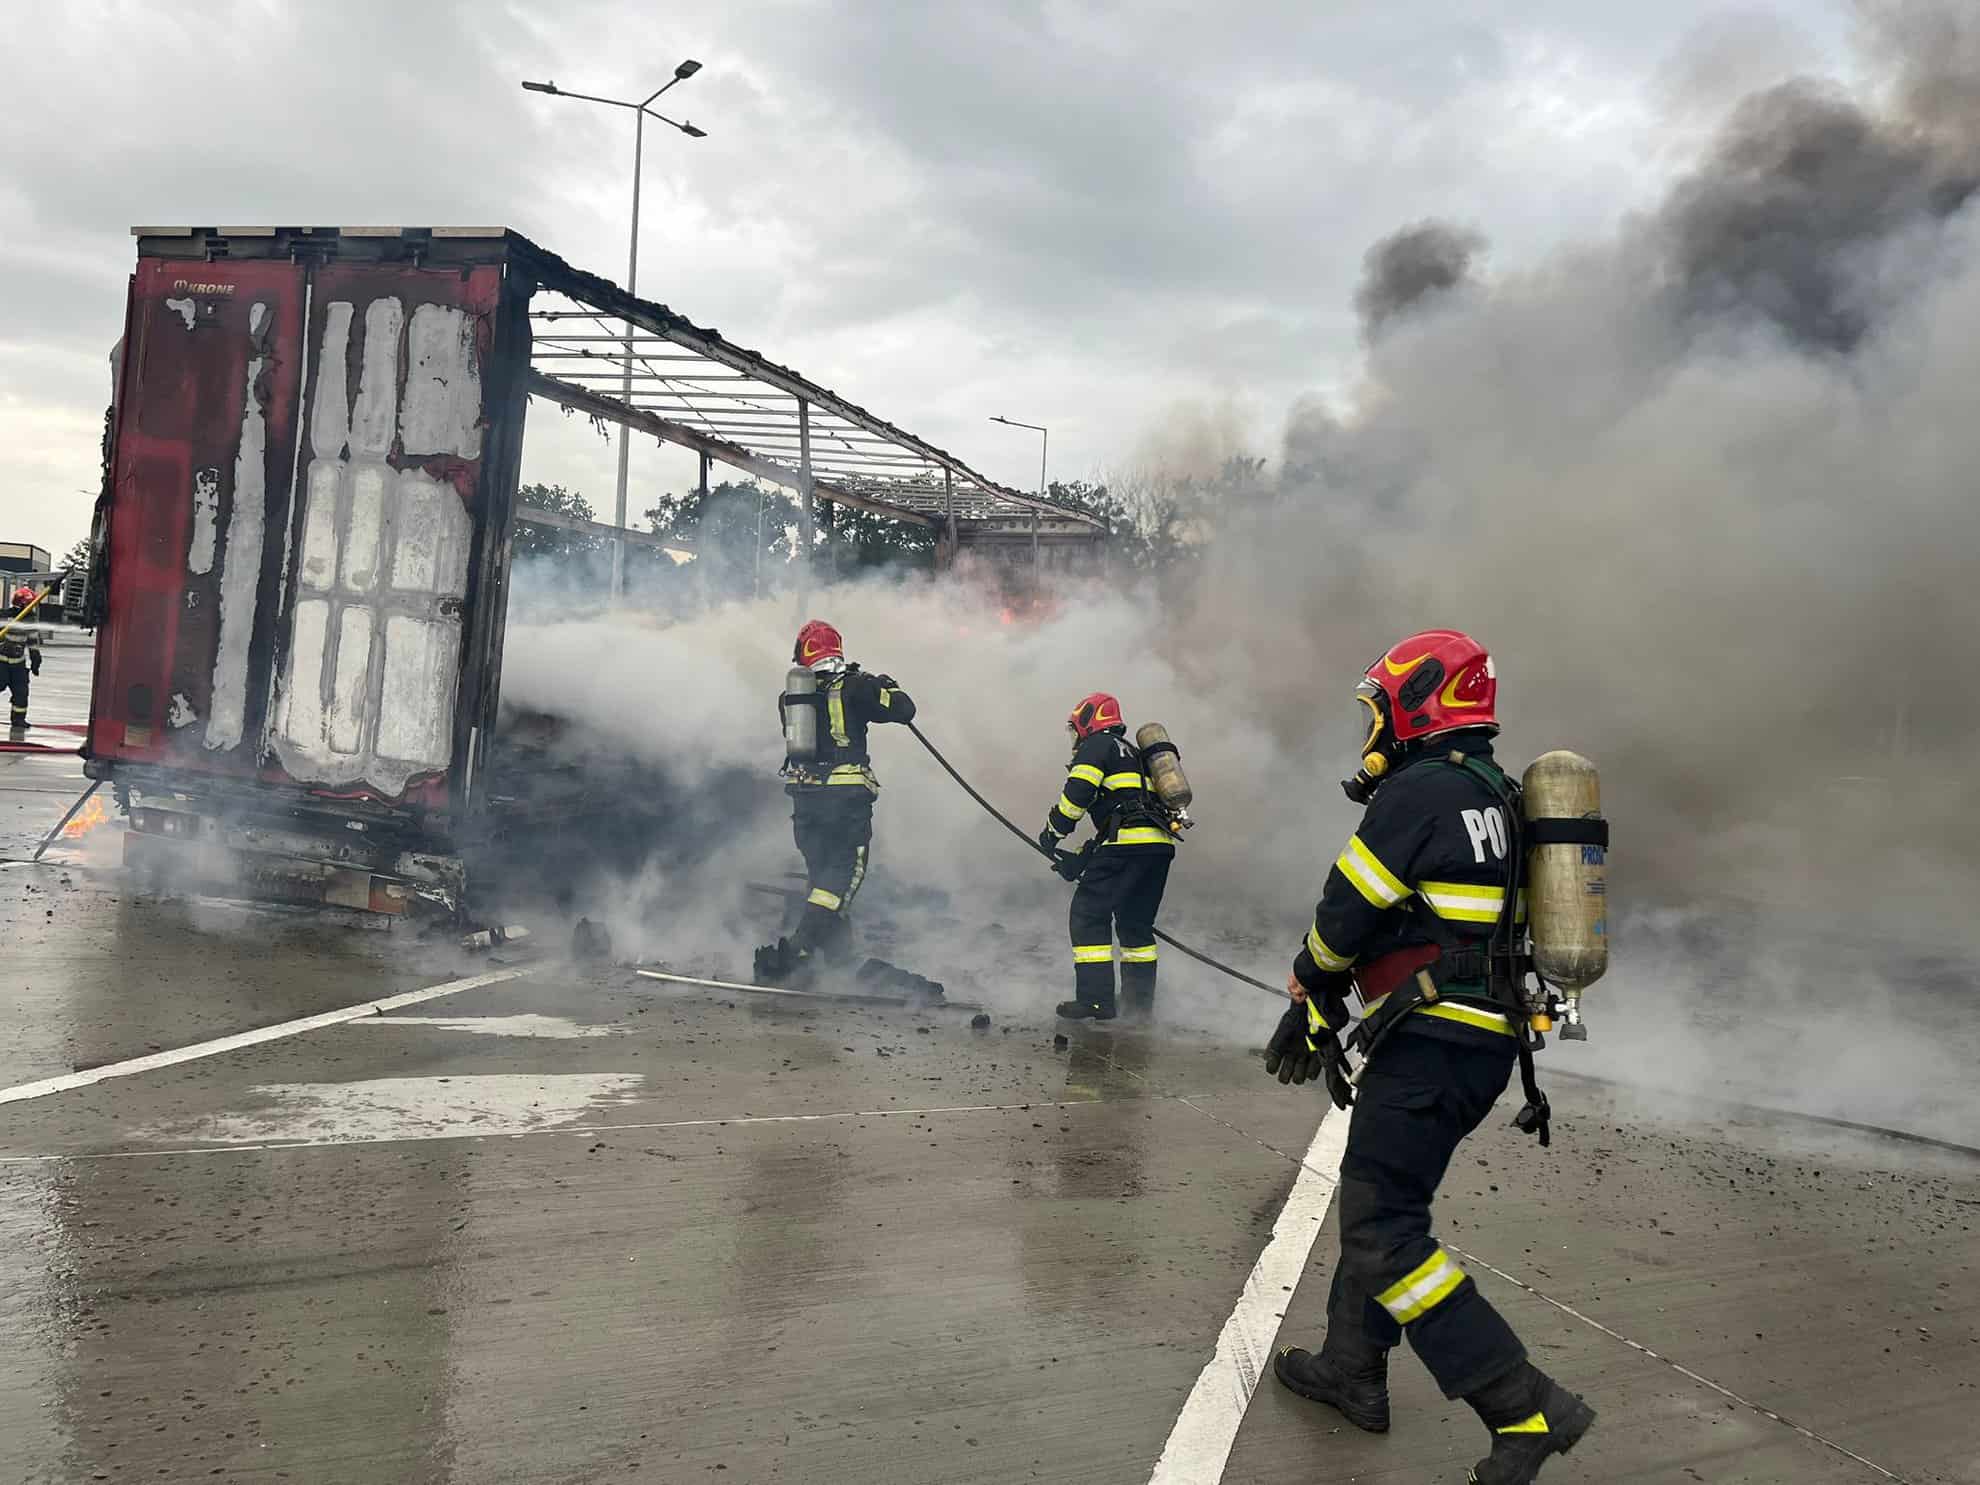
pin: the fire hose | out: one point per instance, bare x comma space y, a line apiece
990, 809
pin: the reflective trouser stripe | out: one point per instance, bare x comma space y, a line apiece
830, 901
859, 872
1140, 955
1323, 955
1093, 953
1142, 835
1422, 1289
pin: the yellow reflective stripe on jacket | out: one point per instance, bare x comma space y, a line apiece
821, 898
1324, 956
1070, 810
1126, 781
886, 697
852, 773
1086, 772
1422, 1289
1371, 878
1464, 1015
1142, 835
835, 708
1448, 1010
1093, 953
1464, 902
1140, 955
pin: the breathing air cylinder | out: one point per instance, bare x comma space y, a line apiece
1567, 878
1161, 760
800, 715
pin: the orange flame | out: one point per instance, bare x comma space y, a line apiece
93, 814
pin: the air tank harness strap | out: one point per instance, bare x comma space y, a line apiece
1568, 830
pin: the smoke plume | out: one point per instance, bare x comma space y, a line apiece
1705, 487
1408, 267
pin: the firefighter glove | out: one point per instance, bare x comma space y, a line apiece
34, 662
1048, 841
1298, 1053
1069, 864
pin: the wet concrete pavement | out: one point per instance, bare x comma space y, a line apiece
575, 1226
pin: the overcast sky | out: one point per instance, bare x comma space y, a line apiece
1108, 218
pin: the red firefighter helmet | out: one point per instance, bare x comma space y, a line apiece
817, 641
1441, 680
1096, 713
23, 595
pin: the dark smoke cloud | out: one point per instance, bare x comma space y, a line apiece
1785, 221
1808, 188
1410, 266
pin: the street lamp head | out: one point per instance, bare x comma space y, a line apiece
692, 132
687, 69
545, 87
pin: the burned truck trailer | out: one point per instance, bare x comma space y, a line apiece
303, 540
315, 446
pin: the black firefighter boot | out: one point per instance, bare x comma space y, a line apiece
786, 963
1093, 993
1138, 993
1350, 1376
1532, 1418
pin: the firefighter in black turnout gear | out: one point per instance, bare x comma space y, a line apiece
1123, 870
1415, 919
832, 793
20, 657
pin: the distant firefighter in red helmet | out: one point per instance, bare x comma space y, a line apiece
1123, 871
825, 710
20, 657
1421, 917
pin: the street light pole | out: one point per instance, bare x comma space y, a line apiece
1044, 443
641, 111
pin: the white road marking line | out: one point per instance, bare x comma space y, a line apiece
240, 1039
335, 1141
1683, 1371
525, 1026
1200, 1443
